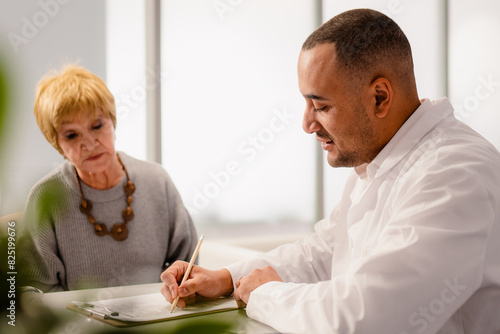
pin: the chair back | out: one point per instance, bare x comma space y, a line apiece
6, 222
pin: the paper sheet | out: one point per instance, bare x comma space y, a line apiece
151, 307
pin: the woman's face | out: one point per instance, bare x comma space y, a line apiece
88, 143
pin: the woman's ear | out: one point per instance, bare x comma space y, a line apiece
382, 89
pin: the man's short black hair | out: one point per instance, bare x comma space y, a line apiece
365, 41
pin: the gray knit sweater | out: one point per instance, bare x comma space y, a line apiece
58, 247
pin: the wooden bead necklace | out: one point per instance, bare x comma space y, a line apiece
119, 231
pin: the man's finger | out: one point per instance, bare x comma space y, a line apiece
190, 287
181, 303
238, 282
170, 283
176, 270
190, 300
239, 302
172, 275
165, 291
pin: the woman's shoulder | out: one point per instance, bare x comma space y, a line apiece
132, 162
52, 179
51, 190
144, 169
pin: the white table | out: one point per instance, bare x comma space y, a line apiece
234, 321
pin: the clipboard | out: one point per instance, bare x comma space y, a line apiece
146, 309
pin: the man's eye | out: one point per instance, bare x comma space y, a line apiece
320, 109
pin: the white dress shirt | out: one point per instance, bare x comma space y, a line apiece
414, 249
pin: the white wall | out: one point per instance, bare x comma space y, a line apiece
36, 36
475, 65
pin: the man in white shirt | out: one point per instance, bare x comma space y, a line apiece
414, 244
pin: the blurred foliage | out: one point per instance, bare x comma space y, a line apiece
29, 316
51, 203
195, 326
204, 327
4, 284
3, 96
3, 108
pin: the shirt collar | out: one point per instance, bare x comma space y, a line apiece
423, 119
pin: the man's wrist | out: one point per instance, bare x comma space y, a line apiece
226, 282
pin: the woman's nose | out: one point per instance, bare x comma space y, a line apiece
88, 141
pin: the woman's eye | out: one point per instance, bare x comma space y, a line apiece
97, 126
71, 136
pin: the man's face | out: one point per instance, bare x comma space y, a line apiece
337, 114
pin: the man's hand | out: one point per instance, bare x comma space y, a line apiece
245, 285
202, 284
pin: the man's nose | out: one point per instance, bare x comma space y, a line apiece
309, 122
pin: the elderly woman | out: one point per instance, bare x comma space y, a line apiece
102, 218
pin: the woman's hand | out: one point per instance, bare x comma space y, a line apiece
202, 284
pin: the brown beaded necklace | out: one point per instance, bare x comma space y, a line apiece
119, 231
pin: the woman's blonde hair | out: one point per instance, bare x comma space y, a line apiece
62, 96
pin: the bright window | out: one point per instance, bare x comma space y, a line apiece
232, 112
474, 58
126, 73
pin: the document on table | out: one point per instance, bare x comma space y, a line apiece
136, 310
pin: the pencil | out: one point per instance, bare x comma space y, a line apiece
186, 274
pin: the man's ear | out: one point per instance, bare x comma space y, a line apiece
382, 90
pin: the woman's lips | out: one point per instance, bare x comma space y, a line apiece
95, 157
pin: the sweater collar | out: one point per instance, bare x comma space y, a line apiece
95, 195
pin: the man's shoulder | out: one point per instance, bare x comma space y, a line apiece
461, 141
454, 148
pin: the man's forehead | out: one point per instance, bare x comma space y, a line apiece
316, 69
320, 54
